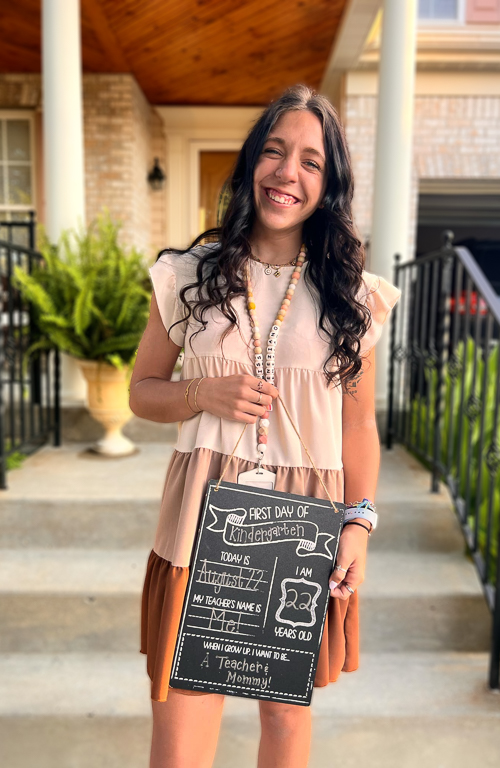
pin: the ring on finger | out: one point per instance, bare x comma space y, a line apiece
349, 589
260, 397
339, 568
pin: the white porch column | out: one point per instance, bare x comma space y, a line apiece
393, 155
63, 139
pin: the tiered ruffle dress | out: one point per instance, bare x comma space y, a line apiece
206, 441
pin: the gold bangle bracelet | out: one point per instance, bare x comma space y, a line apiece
196, 392
186, 393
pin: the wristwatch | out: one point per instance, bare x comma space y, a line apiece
363, 513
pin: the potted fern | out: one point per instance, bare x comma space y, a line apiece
91, 299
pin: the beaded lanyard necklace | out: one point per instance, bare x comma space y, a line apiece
269, 368
272, 341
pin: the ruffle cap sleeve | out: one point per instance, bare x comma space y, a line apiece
163, 277
379, 296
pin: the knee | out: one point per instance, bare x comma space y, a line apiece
282, 719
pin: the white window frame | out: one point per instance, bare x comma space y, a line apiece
29, 115
458, 22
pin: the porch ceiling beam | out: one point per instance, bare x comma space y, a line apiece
355, 25
107, 38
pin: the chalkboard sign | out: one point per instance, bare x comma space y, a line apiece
257, 594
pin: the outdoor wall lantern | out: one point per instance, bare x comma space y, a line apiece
156, 176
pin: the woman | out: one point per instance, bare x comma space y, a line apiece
290, 213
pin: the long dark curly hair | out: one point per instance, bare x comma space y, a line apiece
336, 256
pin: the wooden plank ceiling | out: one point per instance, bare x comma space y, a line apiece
233, 52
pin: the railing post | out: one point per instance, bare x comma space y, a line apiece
57, 399
495, 635
390, 406
3, 456
442, 347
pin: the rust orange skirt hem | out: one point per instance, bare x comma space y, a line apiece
162, 600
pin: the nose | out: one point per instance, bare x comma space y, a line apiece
288, 169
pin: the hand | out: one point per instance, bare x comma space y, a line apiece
235, 397
351, 555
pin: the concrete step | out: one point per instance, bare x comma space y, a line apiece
71, 473
61, 600
131, 522
62, 623
400, 710
94, 523
94, 571
114, 742
116, 685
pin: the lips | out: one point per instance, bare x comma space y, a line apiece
281, 198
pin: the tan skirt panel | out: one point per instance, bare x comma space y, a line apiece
162, 601
186, 486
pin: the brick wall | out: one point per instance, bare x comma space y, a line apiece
121, 139
122, 135
454, 136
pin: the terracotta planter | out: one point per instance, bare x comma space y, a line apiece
107, 399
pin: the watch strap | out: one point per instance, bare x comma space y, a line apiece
351, 513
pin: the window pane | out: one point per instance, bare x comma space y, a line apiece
425, 9
445, 9
18, 140
438, 9
19, 179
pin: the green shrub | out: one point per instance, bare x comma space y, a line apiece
454, 452
90, 295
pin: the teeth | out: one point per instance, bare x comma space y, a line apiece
281, 198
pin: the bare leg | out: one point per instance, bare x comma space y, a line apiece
285, 735
185, 730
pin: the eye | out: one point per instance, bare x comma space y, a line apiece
272, 149
314, 165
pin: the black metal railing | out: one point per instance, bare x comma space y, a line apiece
444, 397
29, 384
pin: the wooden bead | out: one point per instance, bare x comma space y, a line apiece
262, 431
258, 350
251, 305
296, 275
263, 439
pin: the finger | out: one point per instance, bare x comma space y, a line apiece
340, 573
252, 396
267, 387
340, 592
252, 409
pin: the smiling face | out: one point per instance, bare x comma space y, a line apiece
290, 176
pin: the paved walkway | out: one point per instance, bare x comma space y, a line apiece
75, 532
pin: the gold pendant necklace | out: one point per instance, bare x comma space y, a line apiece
270, 267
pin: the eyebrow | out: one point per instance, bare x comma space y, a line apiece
311, 150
